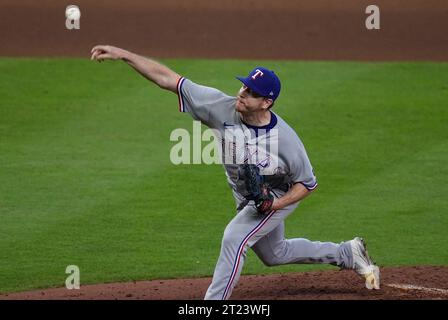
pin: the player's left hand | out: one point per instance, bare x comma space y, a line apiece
265, 200
257, 189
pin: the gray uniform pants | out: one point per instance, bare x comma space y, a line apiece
265, 235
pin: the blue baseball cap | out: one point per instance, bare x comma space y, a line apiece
263, 81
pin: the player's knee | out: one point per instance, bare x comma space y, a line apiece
270, 261
272, 258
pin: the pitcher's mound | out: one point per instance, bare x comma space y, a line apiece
421, 282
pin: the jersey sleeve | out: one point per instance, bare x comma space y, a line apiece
301, 170
200, 101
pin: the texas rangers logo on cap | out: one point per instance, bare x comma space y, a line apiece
263, 81
258, 72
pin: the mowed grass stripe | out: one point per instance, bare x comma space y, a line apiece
86, 177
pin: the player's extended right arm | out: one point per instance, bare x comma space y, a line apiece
161, 75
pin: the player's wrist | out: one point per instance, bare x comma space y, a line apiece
124, 55
276, 204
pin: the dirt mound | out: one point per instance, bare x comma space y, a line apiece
421, 282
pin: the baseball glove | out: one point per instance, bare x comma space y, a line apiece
257, 189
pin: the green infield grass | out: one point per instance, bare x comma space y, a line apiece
86, 177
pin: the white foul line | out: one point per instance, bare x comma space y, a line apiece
412, 287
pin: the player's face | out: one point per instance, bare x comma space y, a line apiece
249, 101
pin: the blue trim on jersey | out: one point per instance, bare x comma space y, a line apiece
267, 127
309, 188
181, 96
275, 194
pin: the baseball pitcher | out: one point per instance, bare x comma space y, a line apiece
267, 168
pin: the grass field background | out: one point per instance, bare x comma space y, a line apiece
85, 175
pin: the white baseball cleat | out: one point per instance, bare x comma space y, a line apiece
363, 265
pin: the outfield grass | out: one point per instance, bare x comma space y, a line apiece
85, 176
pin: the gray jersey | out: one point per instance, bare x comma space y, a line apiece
283, 161
275, 148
